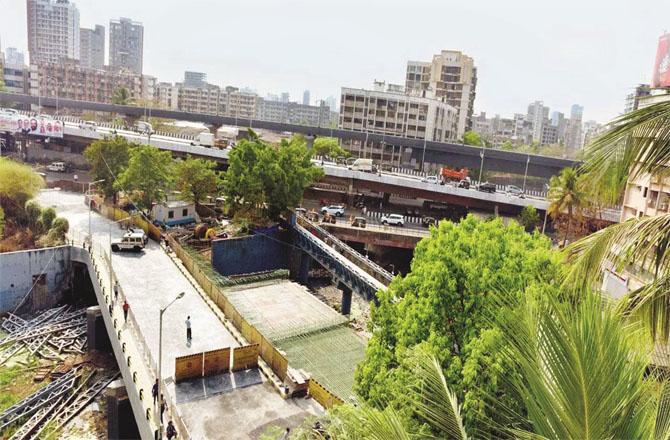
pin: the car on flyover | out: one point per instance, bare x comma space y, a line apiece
486, 187
336, 210
431, 179
513, 190
393, 220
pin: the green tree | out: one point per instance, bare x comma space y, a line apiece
529, 218
508, 146
121, 96
57, 234
440, 308
196, 179
47, 217
262, 175
18, 184
577, 368
565, 198
108, 159
148, 175
473, 138
32, 212
327, 146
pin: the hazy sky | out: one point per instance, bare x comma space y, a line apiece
590, 52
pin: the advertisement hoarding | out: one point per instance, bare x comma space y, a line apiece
661, 77
37, 126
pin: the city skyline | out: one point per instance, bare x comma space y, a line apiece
550, 62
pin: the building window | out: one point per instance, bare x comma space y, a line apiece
184, 212
170, 214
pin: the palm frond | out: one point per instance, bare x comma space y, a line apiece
434, 402
662, 419
638, 141
650, 305
580, 377
641, 242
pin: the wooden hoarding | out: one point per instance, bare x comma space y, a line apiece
216, 362
245, 357
188, 367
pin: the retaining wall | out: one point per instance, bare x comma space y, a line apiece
21, 269
255, 253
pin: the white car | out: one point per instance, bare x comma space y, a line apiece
431, 179
393, 219
58, 167
137, 232
9, 111
133, 243
88, 125
336, 210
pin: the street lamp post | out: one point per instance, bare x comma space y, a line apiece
160, 354
89, 207
481, 167
423, 157
525, 174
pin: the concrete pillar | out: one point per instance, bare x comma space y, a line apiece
387, 198
495, 210
346, 298
310, 141
120, 419
305, 265
96, 333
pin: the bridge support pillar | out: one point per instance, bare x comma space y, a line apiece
96, 333
310, 141
387, 198
346, 298
305, 265
495, 210
120, 419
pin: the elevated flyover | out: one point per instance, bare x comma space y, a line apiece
452, 154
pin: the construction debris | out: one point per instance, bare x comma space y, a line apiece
50, 335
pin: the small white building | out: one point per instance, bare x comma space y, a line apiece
174, 212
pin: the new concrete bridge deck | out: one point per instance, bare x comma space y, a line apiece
150, 280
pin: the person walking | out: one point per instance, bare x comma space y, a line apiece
116, 289
163, 407
171, 431
188, 329
126, 306
154, 391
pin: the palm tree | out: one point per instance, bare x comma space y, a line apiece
577, 368
565, 195
638, 143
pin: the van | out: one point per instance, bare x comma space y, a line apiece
88, 125
143, 127
365, 165
58, 167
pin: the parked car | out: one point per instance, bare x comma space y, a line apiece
465, 183
431, 179
336, 210
133, 243
88, 125
359, 222
137, 232
487, 187
9, 111
427, 221
513, 190
58, 167
393, 219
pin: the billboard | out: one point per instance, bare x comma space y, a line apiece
661, 77
34, 125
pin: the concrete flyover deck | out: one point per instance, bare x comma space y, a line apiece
380, 235
150, 281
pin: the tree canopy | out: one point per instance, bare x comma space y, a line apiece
440, 308
327, 146
18, 184
566, 198
473, 138
196, 179
121, 96
261, 175
108, 159
148, 175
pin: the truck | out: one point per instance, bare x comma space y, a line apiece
451, 175
226, 136
206, 139
365, 165
129, 242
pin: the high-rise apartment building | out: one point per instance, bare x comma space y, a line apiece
92, 47
195, 79
305, 97
633, 98
14, 57
284, 97
331, 102
451, 75
53, 30
537, 115
126, 45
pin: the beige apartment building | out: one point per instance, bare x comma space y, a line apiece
451, 75
68, 79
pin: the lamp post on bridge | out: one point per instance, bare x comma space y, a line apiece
525, 174
481, 167
160, 356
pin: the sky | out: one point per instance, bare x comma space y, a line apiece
587, 52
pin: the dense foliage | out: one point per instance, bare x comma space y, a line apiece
18, 184
108, 158
529, 218
260, 175
440, 308
327, 146
196, 179
149, 175
566, 199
